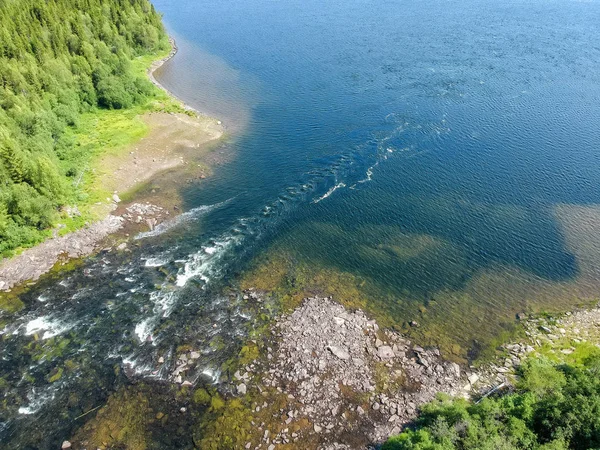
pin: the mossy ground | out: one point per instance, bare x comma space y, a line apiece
464, 324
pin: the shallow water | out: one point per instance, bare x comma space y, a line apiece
445, 152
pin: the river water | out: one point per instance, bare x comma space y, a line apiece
444, 152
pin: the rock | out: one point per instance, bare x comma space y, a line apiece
271, 447
317, 428
241, 389
360, 411
122, 246
116, 198
455, 369
385, 352
376, 406
473, 378
339, 321
378, 343
65, 445
414, 324
194, 355
339, 352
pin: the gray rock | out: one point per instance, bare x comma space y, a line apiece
241, 389
339, 352
385, 352
65, 445
455, 369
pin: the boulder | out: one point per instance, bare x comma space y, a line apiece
340, 352
385, 352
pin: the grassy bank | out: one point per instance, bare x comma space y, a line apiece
72, 81
554, 405
110, 132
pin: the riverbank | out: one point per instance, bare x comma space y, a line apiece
339, 381
324, 377
170, 135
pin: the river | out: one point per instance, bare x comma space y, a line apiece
445, 153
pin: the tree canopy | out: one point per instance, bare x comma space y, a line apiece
59, 59
554, 407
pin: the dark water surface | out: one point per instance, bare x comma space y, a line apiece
447, 152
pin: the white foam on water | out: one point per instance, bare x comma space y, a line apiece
137, 369
143, 330
204, 263
36, 402
188, 216
155, 262
50, 327
163, 302
329, 192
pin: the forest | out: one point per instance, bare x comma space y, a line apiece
60, 59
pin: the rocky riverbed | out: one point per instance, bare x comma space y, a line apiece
345, 382
36, 261
325, 377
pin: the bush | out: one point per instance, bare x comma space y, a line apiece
555, 407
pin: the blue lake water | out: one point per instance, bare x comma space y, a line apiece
446, 153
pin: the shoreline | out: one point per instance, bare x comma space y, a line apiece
342, 382
33, 262
325, 376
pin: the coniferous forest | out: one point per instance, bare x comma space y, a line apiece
58, 60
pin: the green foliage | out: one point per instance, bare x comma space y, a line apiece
554, 407
58, 60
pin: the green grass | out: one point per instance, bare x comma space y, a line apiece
102, 132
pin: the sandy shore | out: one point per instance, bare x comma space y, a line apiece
173, 139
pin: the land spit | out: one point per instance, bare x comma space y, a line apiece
350, 379
173, 139
356, 384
